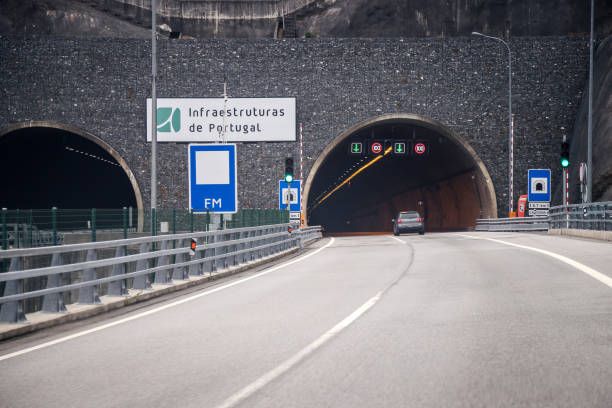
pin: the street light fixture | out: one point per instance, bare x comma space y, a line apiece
510, 127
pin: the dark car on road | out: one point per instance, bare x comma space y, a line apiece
408, 221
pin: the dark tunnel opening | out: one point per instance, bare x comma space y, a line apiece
445, 186
45, 167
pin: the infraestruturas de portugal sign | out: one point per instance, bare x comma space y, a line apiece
214, 120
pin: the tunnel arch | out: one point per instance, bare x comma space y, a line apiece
90, 138
482, 180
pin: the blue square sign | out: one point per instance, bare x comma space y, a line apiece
538, 185
289, 194
212, 178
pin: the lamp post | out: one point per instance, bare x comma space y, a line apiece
153, 119
510, 125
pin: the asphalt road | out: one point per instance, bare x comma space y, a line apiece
441, 320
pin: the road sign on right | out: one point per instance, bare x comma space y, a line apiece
538, 185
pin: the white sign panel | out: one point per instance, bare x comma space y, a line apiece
539, 205
209, 119
537, 212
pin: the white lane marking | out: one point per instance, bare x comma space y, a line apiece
271, 375
164, 307
606, 280
397, 239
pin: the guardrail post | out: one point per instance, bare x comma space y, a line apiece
118, 287
196, 269
12, 312
161, 277
89, 294
53, 303
209, 265
142, 282
179, 271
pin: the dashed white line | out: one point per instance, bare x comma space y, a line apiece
271, 375
164, 307
397, 239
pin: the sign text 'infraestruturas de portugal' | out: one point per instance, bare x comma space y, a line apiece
212, 120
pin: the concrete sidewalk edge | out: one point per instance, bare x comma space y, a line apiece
593, 234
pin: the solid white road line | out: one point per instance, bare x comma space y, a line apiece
606, 280
164, 307
271, 375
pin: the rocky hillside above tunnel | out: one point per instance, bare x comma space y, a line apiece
317, 18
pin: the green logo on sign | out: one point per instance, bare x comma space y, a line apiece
168, 119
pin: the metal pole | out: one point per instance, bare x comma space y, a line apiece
93, 225
4, 231
4, 239
590, 119
124, 222
153, 118
54, 224
510, 133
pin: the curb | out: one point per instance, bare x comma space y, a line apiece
581, 233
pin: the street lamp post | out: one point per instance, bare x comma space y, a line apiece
510, 125
153, 120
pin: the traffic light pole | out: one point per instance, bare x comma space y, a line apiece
590, 119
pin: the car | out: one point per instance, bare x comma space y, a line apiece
408, 221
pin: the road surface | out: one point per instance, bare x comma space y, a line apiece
440, 320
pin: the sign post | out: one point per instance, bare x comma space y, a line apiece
213, 184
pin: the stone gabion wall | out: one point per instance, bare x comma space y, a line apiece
101, 85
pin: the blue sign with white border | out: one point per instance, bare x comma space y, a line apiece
289, 193
212, 178
538, 185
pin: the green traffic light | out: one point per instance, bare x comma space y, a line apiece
288, 178
564, 162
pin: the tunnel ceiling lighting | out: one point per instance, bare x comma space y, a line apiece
362, 168
70, 149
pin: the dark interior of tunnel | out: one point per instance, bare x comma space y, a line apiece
47, 167
442, 185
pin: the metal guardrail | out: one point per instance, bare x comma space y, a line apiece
591, 216
145, 264
513, 224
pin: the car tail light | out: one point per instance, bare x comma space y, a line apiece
419, 220
399, 221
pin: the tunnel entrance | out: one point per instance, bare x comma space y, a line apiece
48, 165
348, 193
